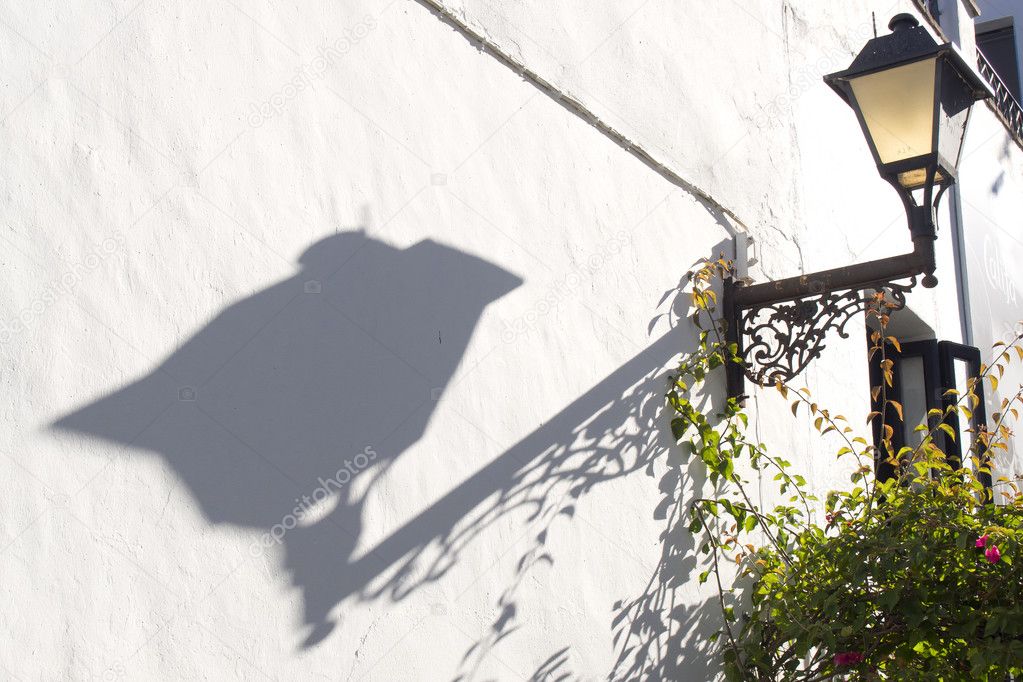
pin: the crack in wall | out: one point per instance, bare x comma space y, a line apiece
734, 225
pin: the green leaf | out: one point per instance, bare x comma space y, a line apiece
678, 428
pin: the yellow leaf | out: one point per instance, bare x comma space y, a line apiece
897, 406
949, 430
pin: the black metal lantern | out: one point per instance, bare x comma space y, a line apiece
912, 97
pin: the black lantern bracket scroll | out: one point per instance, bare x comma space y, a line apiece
912, 98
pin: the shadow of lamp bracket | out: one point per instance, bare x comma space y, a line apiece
912, 98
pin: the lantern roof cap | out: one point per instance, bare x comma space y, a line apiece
908, 42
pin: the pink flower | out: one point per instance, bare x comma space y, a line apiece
981, 541
848, 658
992, 554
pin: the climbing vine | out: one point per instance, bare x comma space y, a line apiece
918, 577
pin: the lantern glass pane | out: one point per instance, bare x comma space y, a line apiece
953, 113
918, 178
898, 107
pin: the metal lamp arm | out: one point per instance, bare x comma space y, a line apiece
779, 327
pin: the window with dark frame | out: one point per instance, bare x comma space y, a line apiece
996, 40
922, 374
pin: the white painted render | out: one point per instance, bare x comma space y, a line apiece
248, 246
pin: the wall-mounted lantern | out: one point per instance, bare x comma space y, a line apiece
912, 97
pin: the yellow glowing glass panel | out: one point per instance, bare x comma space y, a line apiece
898, 107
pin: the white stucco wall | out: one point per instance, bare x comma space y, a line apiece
992, 207
249, 245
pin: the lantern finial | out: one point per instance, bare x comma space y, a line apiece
902, 21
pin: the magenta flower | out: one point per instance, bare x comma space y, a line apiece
848, 658
982, 540
992, 554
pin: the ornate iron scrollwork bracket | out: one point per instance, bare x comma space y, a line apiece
780, 327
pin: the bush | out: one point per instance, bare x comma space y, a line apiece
914, 578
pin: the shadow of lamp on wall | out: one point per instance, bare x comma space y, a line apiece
283, 412
912, 98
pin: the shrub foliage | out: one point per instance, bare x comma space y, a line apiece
915, 578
